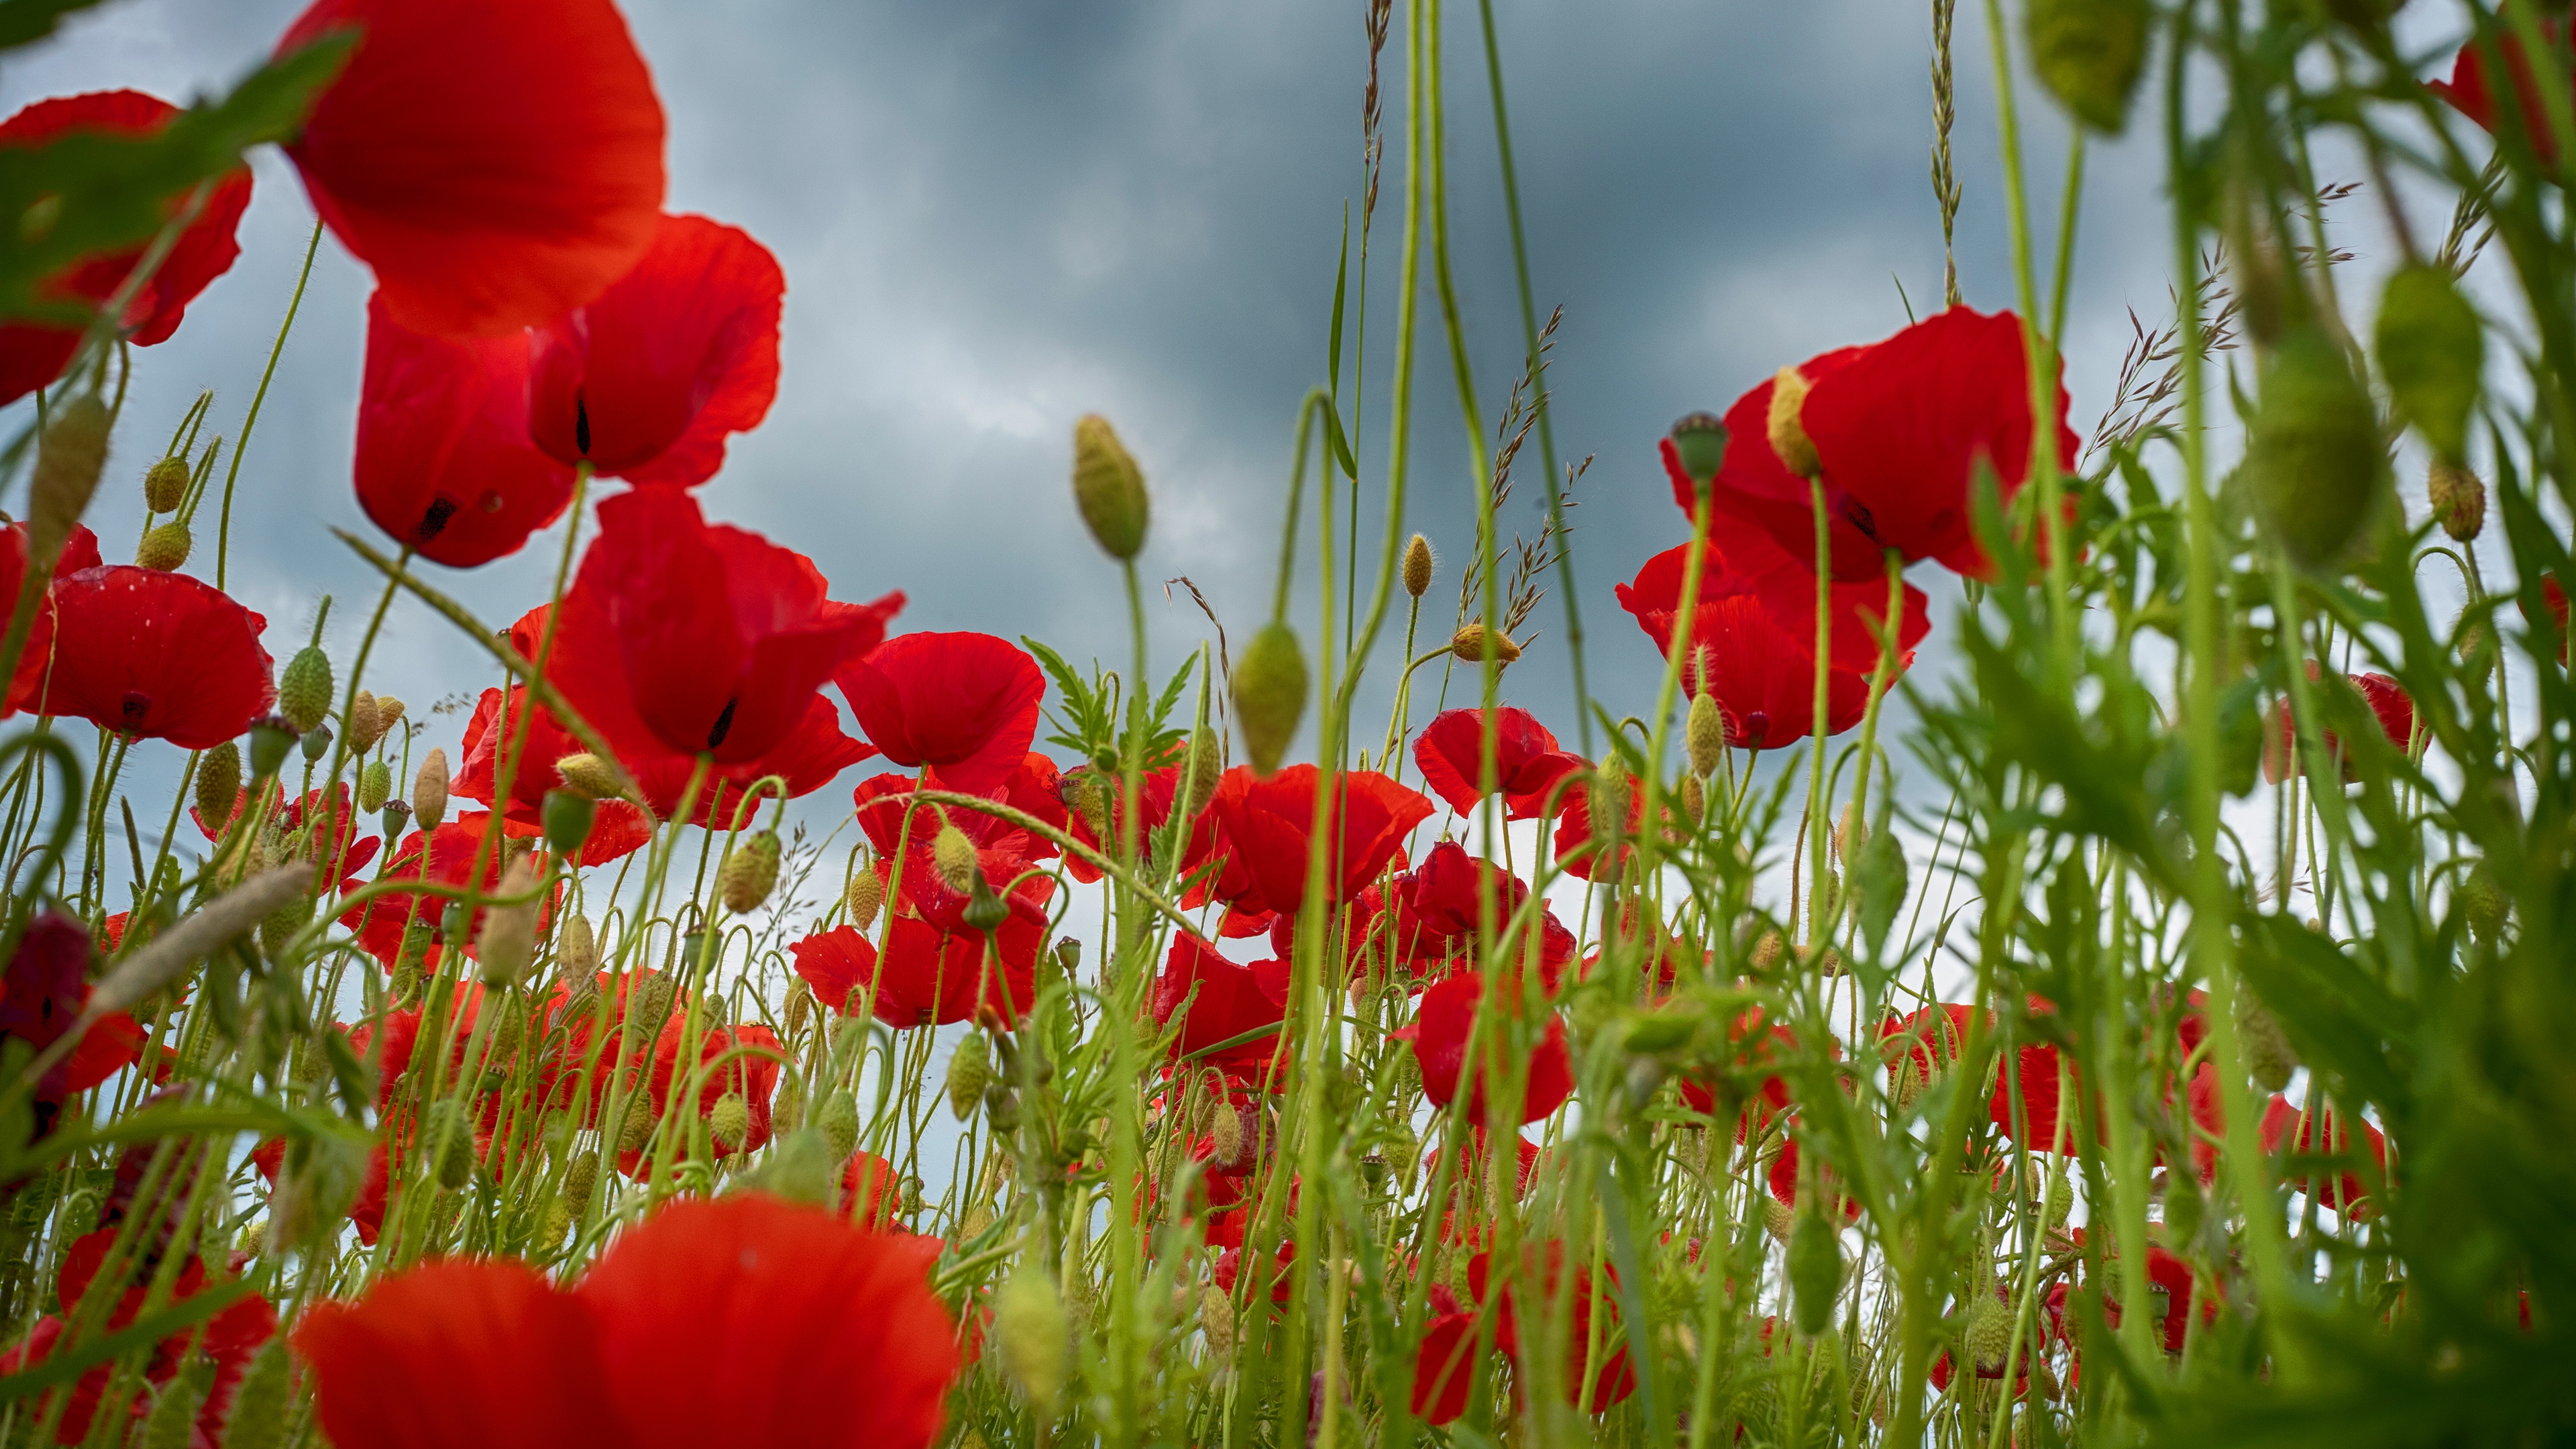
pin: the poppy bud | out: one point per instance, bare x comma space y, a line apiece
397, 815
2061, 1199
389, 712
2313, 459
375, 785
173, 1418
1610, 799
451, 1143
1207, 766
1216, 1320
2483, 903
270, 739
2459, 500
1851, 833
636, 1130
588, 775
840, 1124
366, 722
1986, 1333
218, 785
952, 854
164, 549
429, 791
1788, 433
580, 1176
262, 1400
865, 899
729, 1121
1225, 1135
970, 1070
70, 454
2090, 53
2269, 1057
1270, 695
750, 872
1470, 644
1704, 734
304, 690
2431, 349
1909, 1083
567, 816
1778, 1219
1108, 488
507, 944
1417, 566
577, 952
317, 742
1699, 440
165, 485
1035, 1337
1815, 1270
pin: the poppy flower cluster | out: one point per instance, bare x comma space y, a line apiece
1444, 1364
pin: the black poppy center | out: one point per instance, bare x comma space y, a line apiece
433, 520
1858, 515
581, 424
722, 727
135, 705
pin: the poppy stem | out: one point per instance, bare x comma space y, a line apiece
241, 444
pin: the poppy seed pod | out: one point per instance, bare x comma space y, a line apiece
304, 689
567, 815
2431, 349
952, 854
507, 944
984, 911
1986, 1333
1108, 488
2459, 500
1786, 426
375, 785
1704, 734
1086, 793
70, 454
750, 872
218, 785
2090, 53
429, 791
729, 1120
317, 742
2313, 460
840, 1124
262, 1400
1699, 440
366, 722
1417, 566
164, 549
1270, 695
397, 815
165, 485
1035, 1337
1815, 1271
270, 738
866, 897
1471, 643
970, 1071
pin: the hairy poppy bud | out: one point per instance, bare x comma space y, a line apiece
1986, 1333
750, 872
2313, 458
588, 775
2061, 1198
567, 816
507, 944
1470, 644
173, 1418
1216, 1320
1778, 1219
366, 722
270, 739
70, 454
1694, 798
1704, 734
1270, 695
1225, 1135
729, 1121
1610, 800
1035, 1337
389, 712
262, 1400
451, 1143
2459, 500
218, 785
580, 1176
2090, 53
1851, 833
2269, 1057
1108, 488
1206, 766
165, 485
1699, 439
2431, 349
637, 1129
304, 689
429, 791
2483, 903
970, 1071
375, 785
952, 854
1417, 566
1815, 1270
165, 548
1787, 431
840, 1124
866, 897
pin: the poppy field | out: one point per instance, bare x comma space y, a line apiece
2145, 1023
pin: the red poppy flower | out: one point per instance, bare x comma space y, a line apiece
930, 976
1267, 825
1574, 829
46, 988
1439, 1038
1929, 1039
1756, 1045
1527, 760
446, 855
227, 1341
1784, 1185
32, 355
751, 1074
1434, 907
2554, 599
964, 705
1593, 1388
1157, 792
1217, 1001
647, 380
2387, 700
2049, 1114
497, 163
2325, 1133
1003, 851
776, 1309
617, 827
2179, 1287
156, 655
1444, 1365
2468, 93
1756, 637
444, 463
1898, 428
80, 551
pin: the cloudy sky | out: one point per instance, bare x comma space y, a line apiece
995, 215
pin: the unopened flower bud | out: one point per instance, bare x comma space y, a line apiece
840, 1124
429, 791
750, 872
2314, 464
1815, 1270
1206, 766
1417, 566
577, 950
165, 485
70, 454
451, 1143
1786, 428
588, 775
165, 548
567, 816
1471, 642
1611, 799
952, 854
2459, 500
270, 738
1851, 833
218, 785
366, 722
1778, 1218
1108, 488
866, 897
1694, 798
1704, 734
304, 689
262, 1400
2483, 903
1225, 1135
1216, 1320
2090, 53
1986, 1333
729, 1121
1699, 439
970, 1071
173, 1418
2269, 1057
389, 712
507, 944
375, 785
580, 1176
636, 1130
2431, 349
1034, 1335
1270, 695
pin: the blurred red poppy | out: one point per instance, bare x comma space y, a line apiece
1753, 642
1593, 1388
2324, 1133
156, 655
80, 551
1434, 910
963, 705
729, 1067
446, 856
648, 379
225, 1343
1898, 427
1217, 1000
498, 163
1439, 1037
33, 354
1157, 792
1527, 761
2387, 700
1267, 826
617, 827
2468, 93
2045, 1120
47, 986
2168, 1278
